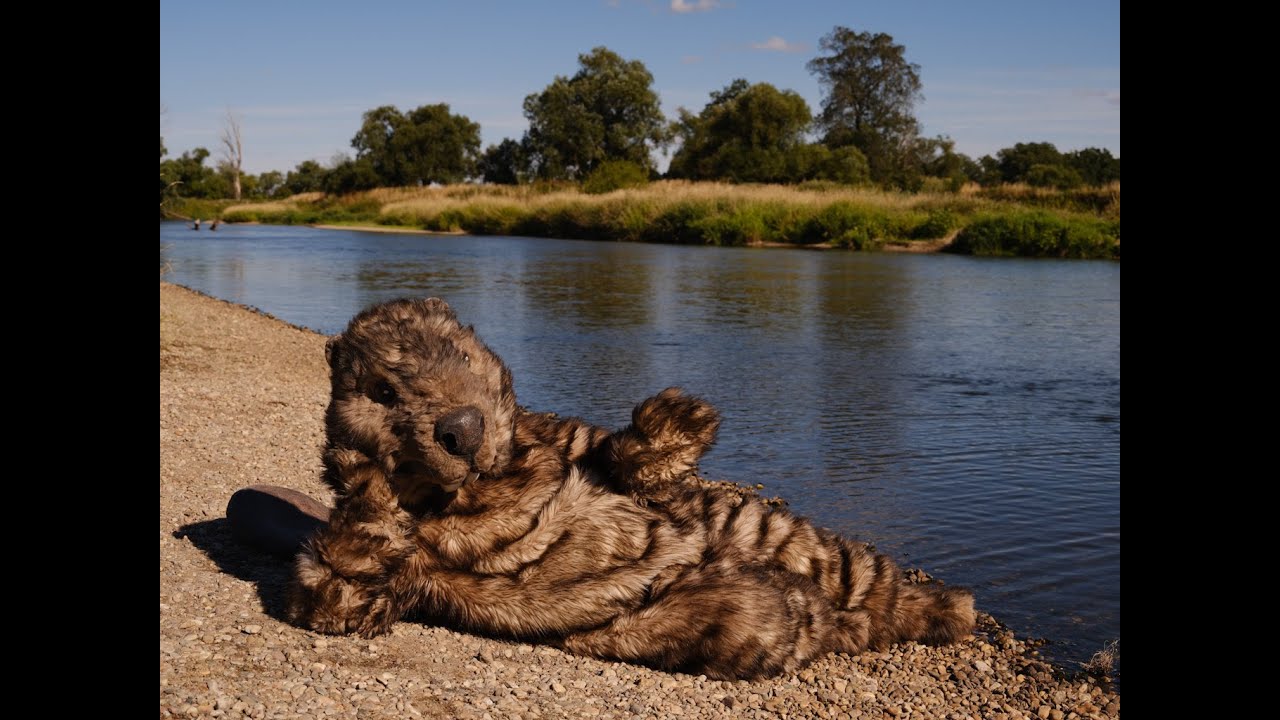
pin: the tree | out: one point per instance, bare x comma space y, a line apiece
188, 176
436, 146
746, 133
1096, 166
988, 171
607, 111
270, 183
349, 175
1055, 176
232, 151
937, 157
846, 165
504, 164
870, 94
307, 177
1016, 162
428, 144
373, 141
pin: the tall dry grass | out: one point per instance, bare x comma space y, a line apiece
1085, 224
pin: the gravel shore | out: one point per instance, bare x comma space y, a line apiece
242, 398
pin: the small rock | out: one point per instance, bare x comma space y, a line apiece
982, 666
729, 701
251, 629
557, 687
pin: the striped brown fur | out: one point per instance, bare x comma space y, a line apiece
554, 530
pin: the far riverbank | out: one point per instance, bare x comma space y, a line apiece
1004, 221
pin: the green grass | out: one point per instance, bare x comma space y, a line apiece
1037, 233
188, 208
1020, 221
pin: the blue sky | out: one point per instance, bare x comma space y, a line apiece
299, 75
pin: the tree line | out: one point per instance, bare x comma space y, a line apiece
602, 126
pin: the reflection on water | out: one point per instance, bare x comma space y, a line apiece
963, 414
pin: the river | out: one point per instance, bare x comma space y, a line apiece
963, 414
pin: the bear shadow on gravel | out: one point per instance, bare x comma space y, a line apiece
270, 576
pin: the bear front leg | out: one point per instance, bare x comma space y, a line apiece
668, 434
343, 577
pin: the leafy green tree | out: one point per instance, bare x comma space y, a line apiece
937, 157
845, 165
746, 133
988, 171
373, 141
1056, 176
349, 175
269, 183
606, 111
189, 177
1016, 162
870, 95
505, 163
428, 144
436, 146
307, 177
1096, 166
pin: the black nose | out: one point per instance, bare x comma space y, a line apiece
461, 431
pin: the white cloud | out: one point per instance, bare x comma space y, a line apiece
684, 6
777, 44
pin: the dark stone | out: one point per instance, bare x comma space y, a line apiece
274, 519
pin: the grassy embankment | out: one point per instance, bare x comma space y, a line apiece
1008, 220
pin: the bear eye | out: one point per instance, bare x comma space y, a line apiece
466, 358
383, 393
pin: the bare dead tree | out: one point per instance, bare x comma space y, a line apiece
232, 150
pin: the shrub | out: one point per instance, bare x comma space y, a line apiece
1055, 176
1039, 234
615, 175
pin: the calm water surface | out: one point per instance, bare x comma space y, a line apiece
963, 414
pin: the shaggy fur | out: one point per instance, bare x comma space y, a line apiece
454, 502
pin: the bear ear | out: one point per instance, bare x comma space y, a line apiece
332, 350
436, 305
